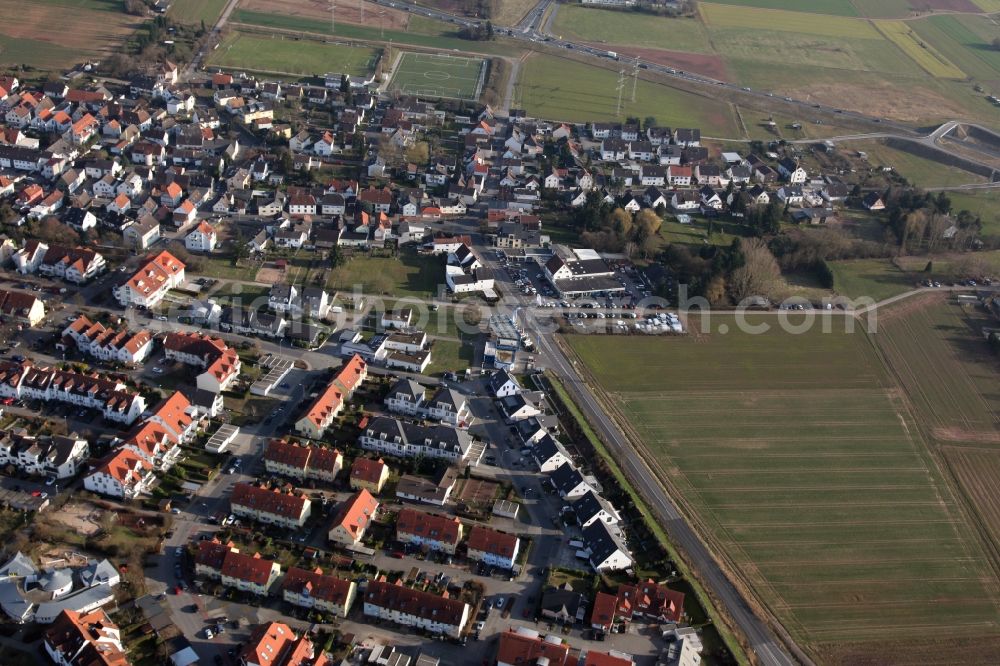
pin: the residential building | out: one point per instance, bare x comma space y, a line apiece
203, 238
407, 440
108, 344
319, 591
302, 462
73, 264
21, 307
368, 474
330, 402
522, 646
249, 573
353, 519
493, 547
276, 644
221, 363
271, 506
85, 639
606, 547
429, 531
122, 474
148, 286
569, 482
54, 456
414, 608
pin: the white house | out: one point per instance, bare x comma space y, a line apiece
203, 238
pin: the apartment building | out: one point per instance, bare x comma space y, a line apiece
270, 506
302, 462
319, 591
415, 608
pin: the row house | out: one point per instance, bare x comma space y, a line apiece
54, 456
408, 440
649, 600
270, 506
115, 402
428, 531
72, 264
225, 563
108, 344
434, 613
302, 462
409, 398
316, 590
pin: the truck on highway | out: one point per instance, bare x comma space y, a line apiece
612, 55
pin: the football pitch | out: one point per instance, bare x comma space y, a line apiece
438, 75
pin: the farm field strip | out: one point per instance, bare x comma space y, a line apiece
964, 39
930, 59
832, 7
196, 11
978, 473
753, 18
631, 28
823, 498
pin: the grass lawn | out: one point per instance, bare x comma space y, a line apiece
985, 204
558, 89
798, 458
221, 267
449, 356
245, 51
873, 278
408, 275
696, 233
920, 171
196, 11
630, 28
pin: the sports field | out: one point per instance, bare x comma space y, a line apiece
435, 75
286, 56
52, 34
802, 459
559, 89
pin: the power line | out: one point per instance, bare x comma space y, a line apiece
620, 87
635, 78
333, 20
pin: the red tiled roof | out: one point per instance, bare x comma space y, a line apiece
356, 512
516, 648
492, 541
415, 602
428, 525
368, 470
249, 568
328, 588
275, 502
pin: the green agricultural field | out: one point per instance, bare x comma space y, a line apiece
966, 41
555, 88
800, 461
437, 75
196, 11
883, 8
631, 28
835, 7
252, 52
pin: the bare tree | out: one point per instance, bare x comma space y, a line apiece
760, 274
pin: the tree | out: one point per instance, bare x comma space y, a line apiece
51, 230
649, 220
759, 275
621, 222
650, 121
